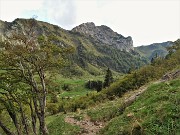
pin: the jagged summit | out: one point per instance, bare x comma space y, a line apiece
105, 35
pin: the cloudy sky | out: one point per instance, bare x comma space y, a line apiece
147, 21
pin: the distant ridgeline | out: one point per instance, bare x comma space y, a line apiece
96, 47
150, 51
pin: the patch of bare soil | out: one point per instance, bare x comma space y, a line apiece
87, 126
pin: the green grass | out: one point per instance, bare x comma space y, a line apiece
77, 88
77, 85
75, 93
108, 110
155, 112
57, 126
104, 112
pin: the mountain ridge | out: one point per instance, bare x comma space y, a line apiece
91, 56
150, 51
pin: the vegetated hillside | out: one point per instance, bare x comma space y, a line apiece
155, 112
129, 82
150, 51
148, 73
93, 54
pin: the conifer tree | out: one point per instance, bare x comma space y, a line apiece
108, 78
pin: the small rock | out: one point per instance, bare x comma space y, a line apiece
85, 131
130, 114
96, 123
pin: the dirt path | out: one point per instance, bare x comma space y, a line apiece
87, 126
128, 101
92, 128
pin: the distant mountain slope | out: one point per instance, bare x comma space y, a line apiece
93, 54
149, 51
106, 35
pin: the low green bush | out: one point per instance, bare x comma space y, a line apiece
52, 108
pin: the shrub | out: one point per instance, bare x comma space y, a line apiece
66, 87
52, 108
97, 85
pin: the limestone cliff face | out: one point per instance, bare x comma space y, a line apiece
105, 35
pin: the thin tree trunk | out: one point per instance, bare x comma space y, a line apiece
40, 112
10, 109
43, 128
24, 122
14, 118
12, 114
33, 118
42, 104
41, 99
5, 129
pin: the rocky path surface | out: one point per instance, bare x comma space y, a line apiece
87, 126
128, 101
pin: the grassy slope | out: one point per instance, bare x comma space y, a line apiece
108, 110
147, 51
57, 126
155, 112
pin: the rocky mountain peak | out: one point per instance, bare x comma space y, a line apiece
105, 35
85, 28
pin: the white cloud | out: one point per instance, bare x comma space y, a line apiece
11, 9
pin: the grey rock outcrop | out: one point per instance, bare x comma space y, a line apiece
105, 35
2, 27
